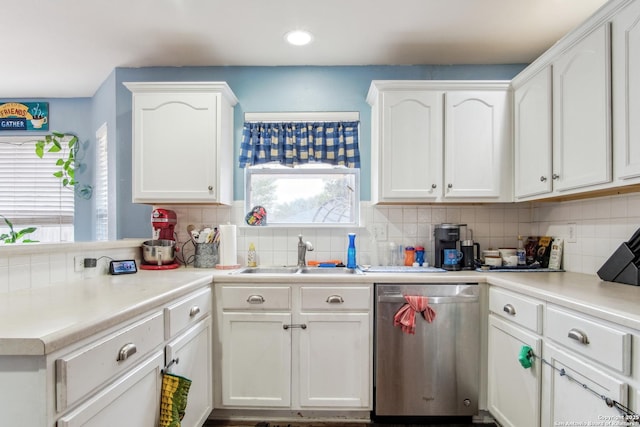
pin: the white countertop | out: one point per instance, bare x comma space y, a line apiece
41, 321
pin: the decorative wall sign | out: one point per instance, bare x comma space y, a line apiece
24, 116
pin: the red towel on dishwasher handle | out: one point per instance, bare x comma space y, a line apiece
405, 317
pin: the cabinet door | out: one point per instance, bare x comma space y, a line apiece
533, 133
568, 403
582, 113
513, 391
335, 360
626, 91
256, 359
477, 145
191, 353
411, 147
175, 147
133, 400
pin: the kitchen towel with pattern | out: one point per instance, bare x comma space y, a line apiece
173, 400
405, 317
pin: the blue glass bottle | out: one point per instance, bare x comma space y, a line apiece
351, 251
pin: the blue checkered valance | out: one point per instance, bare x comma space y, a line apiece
297, 143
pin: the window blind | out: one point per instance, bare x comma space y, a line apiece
29, 193
101, 189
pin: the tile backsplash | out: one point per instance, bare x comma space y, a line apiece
600, 225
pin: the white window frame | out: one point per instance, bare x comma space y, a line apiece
265, 169
306, 116
101, 188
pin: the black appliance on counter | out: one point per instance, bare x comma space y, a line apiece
446, 237
624, 265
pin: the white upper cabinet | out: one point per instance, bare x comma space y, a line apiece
478, 145
410, 126
182, 142
626, 93
533, 135
440, 141
582, 113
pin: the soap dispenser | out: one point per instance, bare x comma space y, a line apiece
351, 251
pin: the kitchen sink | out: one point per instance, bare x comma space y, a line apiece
298, 270
328, 270
268, 270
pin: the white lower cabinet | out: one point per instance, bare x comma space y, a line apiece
334, 360
256, 359
581, 364
515, 321
513, 391
191, 354
294, 347
115, 376
132, 399
567, 402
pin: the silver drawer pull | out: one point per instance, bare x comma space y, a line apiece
255, 299
579, 336
127, 350
509, 309
295, 325
335, 299
195, 310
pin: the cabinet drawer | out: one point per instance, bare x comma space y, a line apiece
187, 311
256, 298
590, 337
81, 372
337, 298
524, 311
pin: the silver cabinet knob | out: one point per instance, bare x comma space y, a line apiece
434, 186
555, 176
194, 311
509, 309
579, 336
543, 178
449, 185
334, 299
210, 188
294, 325
255, 299
127, 350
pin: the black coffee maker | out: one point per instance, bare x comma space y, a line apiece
446, 236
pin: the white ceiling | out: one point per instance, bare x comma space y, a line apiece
66, 48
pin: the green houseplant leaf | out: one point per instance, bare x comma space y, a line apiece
14, 236
66, 146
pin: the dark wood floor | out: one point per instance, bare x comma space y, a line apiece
437, 423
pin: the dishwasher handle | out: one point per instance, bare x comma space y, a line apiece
454, 299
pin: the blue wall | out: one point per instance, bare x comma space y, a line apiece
258, 89
70, 115
277, 89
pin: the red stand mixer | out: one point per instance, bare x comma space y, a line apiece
159, 253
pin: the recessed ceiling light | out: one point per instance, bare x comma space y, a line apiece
298, 37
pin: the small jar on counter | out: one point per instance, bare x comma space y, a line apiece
409, 256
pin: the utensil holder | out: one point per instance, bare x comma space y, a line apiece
206, 255
621, 267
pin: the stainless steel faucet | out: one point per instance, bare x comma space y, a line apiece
303, 247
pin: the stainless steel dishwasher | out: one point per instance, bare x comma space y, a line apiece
436, 371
